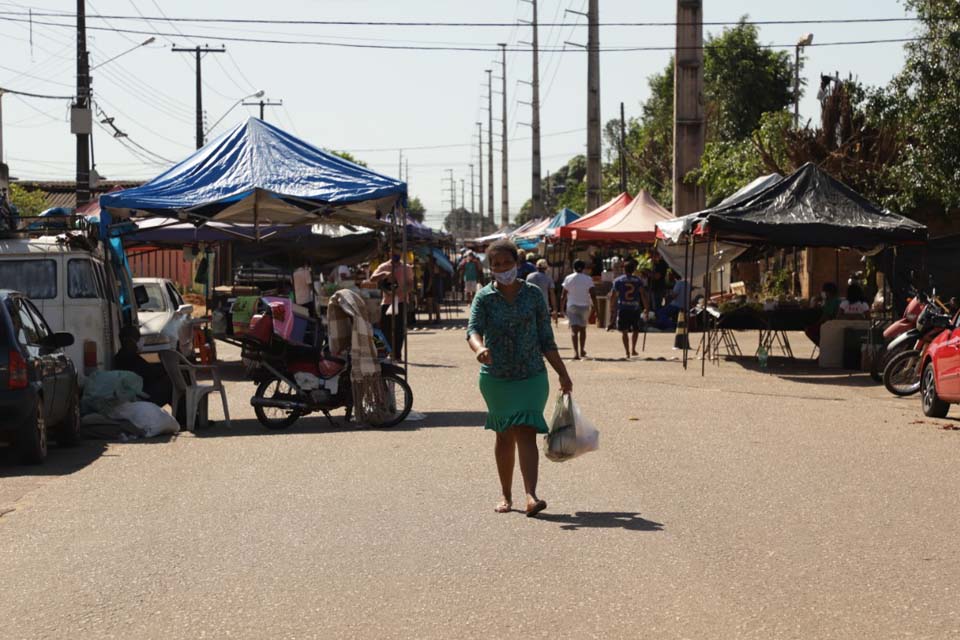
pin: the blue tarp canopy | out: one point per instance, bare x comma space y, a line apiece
259, 174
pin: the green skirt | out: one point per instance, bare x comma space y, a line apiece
512, 403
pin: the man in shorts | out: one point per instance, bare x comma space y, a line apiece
578, 298
632, 296
471, 275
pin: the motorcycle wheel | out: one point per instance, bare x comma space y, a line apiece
880, 363
400, 398
273, 417
901, 376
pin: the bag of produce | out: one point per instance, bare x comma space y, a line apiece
571, 434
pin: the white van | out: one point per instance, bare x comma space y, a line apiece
75, 290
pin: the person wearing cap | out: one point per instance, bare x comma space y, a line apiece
544, 282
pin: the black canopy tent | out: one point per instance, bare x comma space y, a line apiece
808, 208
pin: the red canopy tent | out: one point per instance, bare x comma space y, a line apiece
633, 224
598, 215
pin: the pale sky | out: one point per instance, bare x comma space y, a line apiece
373, 102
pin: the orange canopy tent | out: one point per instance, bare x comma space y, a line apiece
598, 215
633, 224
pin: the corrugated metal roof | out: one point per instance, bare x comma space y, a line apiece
63, 193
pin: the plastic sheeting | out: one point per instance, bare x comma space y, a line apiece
673, 230
259, 174
721, 254
809, 208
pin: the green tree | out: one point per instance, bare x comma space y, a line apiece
28, 202
924, 99
416, 210
742, 81
465, 224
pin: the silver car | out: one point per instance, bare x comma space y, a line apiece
165, 320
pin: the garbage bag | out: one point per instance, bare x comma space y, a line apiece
104, 390
148, 417
571, 434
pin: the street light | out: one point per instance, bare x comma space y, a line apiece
149, 40
258, 94
805, 41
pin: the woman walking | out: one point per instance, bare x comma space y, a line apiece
509, 331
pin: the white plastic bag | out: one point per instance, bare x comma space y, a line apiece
571, 434
148, 417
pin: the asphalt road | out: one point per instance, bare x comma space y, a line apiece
783, 503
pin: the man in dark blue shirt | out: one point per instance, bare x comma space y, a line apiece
631, 295
524, 266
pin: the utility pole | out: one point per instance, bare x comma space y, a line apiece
81, 117
623, 151
197, 51
400, 166
4, 169
490, 146
463, 201
689, 130
594, 161
480, 159
536, 192
406, 171
504, 169
263, 103
473, 202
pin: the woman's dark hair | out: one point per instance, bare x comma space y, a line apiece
829, 288
579, 266
855, 293
503, 245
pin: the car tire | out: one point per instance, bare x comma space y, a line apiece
32, 439
933, 406
68, 431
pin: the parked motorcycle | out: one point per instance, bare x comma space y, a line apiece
903, 334
901, 376
295, 381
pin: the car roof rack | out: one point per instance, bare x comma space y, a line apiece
39, 226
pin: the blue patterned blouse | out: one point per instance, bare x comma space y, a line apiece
517, 333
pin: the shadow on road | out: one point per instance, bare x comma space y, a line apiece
60, 461
806, 372
602, 520
316, 423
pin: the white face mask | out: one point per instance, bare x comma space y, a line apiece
507, 277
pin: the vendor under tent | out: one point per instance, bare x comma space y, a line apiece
633, 224
808, 208
598, 215
259, 174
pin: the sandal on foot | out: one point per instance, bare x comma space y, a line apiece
538, 506
503, 507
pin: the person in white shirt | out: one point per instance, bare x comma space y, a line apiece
303, 287
854, 304
578, 298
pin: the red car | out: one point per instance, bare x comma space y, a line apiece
940, 381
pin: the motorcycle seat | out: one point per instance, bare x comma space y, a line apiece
330, 366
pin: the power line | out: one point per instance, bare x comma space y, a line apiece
414, 23
454, 146
489, 49
34, 95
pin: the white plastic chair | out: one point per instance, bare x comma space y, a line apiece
183, 375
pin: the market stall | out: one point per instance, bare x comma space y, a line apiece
809, 208
256, 182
